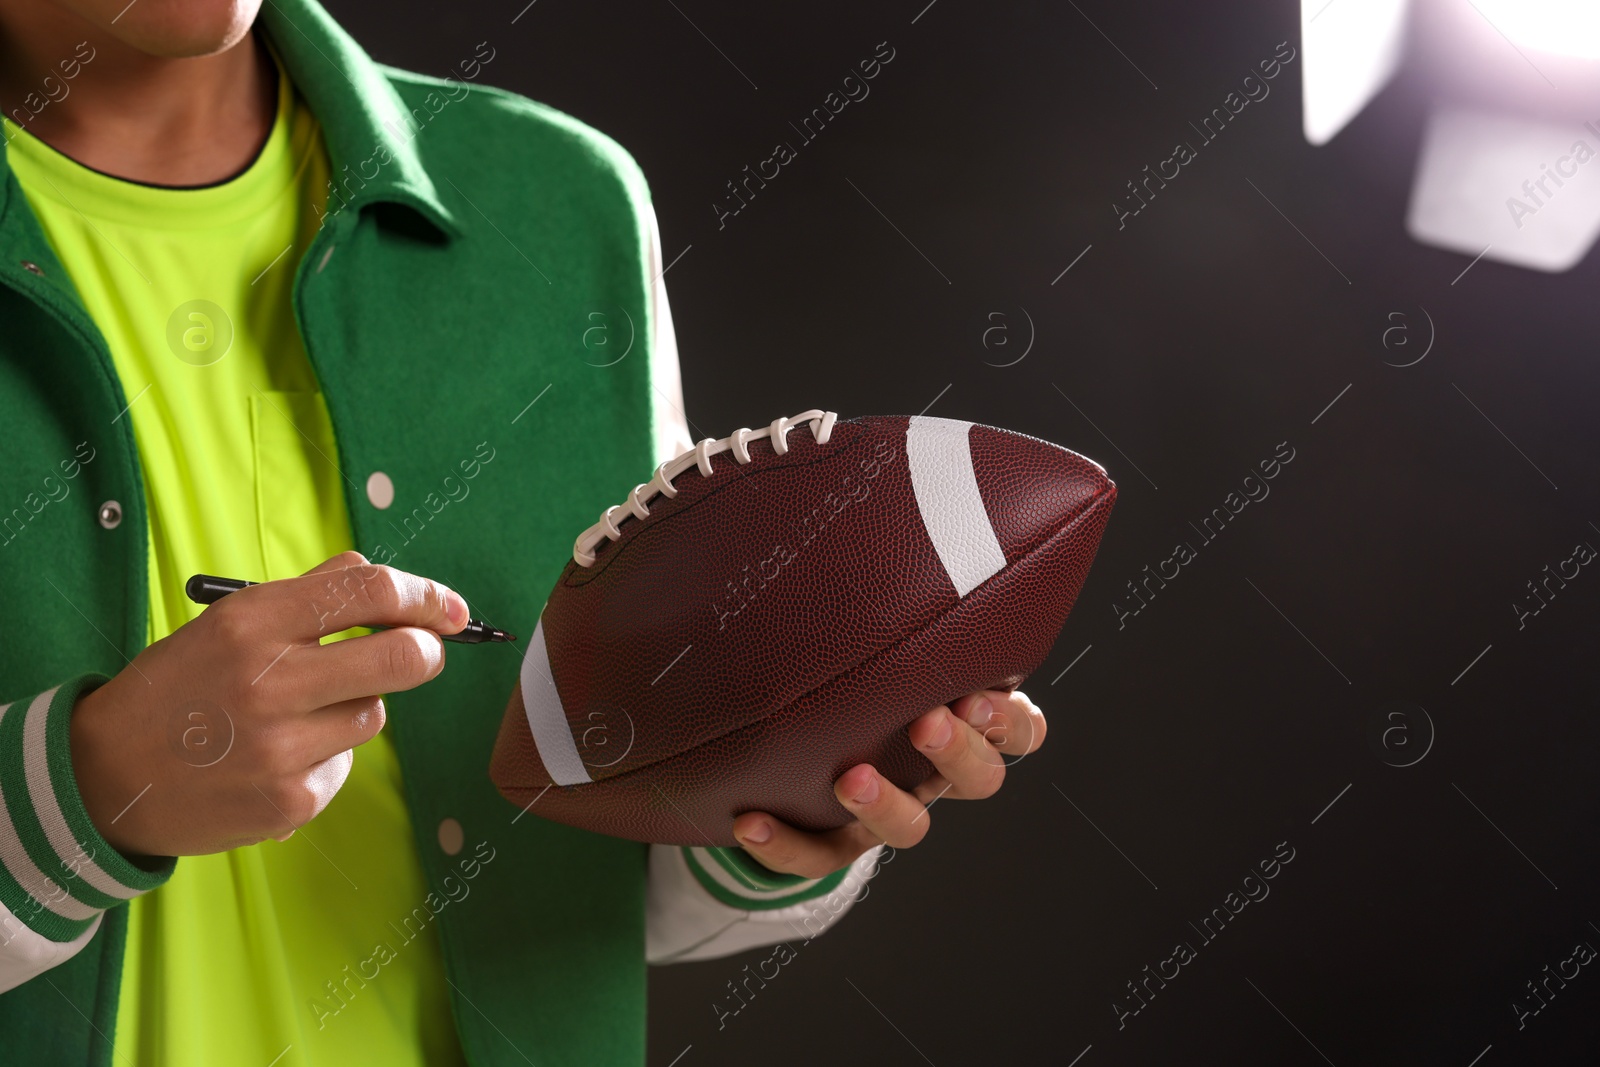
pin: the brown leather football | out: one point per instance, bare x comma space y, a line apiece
775, 607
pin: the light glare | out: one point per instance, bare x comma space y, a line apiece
1351, 50
1561, 27
1508, 188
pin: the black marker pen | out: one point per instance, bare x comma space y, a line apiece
208, 589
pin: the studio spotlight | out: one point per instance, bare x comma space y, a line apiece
1560, 27
1503, 173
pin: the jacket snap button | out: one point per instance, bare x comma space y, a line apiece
111, 514
380, 490
451, 836
29, 265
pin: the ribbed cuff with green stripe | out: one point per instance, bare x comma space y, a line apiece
56, 871
733, 876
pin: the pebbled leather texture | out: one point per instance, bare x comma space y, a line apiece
778, 622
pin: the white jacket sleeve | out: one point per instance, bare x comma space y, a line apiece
704, 903
57, 874
25, 955
670, 423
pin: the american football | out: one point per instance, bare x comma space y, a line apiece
774, 607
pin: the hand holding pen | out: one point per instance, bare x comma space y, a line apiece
208, 589
241, 724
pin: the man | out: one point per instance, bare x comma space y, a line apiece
267, 303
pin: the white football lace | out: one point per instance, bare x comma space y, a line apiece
699, 456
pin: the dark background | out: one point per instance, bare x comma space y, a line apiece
1257, 686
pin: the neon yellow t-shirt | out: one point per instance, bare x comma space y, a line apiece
263, 954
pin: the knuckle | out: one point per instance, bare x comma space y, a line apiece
265, 684
369, 719
975, 770
905, 836
336, 593
404, 655
413, 656
306, 804
273, 751
435, 600
955, 755
995, 734
988, 781
383, 588
1038, 726
231, 626
294, 800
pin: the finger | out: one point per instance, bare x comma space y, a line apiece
780, 847
389, 661
932, 789
888, 812
348, 558
343, 561
336, 597
1008, 721
302, 797
339, 727
971, 765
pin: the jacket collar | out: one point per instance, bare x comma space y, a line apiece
372, 148
365, 125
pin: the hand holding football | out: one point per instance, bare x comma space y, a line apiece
777, 607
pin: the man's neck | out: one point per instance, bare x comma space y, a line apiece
191, 121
